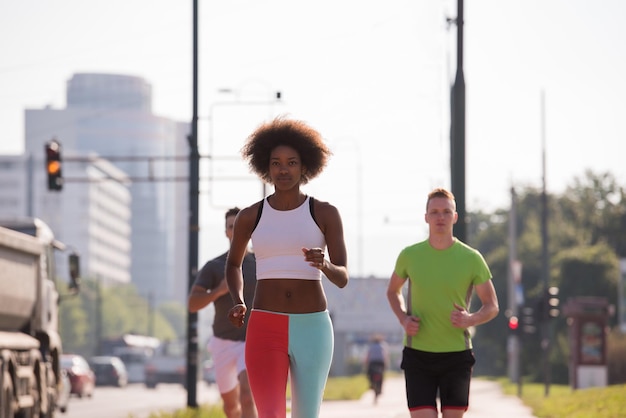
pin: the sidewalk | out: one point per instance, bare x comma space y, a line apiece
486, 401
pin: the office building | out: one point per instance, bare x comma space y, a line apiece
111, 115
92, 217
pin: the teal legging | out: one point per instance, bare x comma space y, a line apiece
278, 345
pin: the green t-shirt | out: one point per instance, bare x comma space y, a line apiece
437, 280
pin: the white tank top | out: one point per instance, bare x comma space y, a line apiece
278, 240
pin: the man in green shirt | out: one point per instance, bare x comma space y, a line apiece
443, 272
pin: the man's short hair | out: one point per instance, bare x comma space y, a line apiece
440, 192
232, 212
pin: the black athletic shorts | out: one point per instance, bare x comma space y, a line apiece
428, 374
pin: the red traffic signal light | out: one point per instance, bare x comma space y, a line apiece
513, 323
53, 165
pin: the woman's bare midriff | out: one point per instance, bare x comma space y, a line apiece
290, 296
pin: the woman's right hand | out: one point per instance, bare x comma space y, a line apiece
237, 314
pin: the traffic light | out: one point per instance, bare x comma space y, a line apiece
528, 320
74, 263
53, 165
552, 302
513, 325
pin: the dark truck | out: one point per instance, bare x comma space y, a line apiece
30, 345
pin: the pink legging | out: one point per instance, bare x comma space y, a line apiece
298, 345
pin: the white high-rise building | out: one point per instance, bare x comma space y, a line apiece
15, 193
92, 216
111, 115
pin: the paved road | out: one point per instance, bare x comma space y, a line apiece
486, 401
136, 400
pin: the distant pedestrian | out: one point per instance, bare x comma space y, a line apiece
376, 362
227, 344
290, 331
443, 272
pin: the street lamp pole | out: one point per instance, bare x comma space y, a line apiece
457, 133
277, 95
194, 191
151, 314
359, 204
545, 257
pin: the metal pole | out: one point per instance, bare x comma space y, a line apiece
151, 314
457, 133
30, 170
545, 334
513, 340
98, 315
359, 199
194, 191
265, 189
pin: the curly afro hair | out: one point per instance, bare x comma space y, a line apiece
296, 134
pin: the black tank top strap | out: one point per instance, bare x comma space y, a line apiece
258, 215
312, 210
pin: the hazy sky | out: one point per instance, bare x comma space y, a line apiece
372, 76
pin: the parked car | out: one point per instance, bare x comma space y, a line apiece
134, 359
167, 365
64, 393
208, 372
82, 378
109, 370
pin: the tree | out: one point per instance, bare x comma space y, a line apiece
597, 204
73, 322
587, 234
103, 312
588, 271
176, 316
